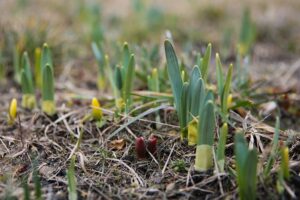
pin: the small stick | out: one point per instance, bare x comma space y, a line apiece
166, 164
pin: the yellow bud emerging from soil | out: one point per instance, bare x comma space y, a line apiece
96, 110
12, 111
48, 107
192, 132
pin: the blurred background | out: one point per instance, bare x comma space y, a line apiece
69, 27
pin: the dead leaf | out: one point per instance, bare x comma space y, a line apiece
267, 108
269, 129
117, 144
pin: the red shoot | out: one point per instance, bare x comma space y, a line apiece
151, 145
140, 148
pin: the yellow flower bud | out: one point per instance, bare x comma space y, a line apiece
12, 111
192, 132
96, 110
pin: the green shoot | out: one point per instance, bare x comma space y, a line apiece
174, 73
199, 59
224, 87
16, 64
274, 149
125, 59
44, 60
37, 68
118, 83
26, 190
46, 57
189, 97
122, 79
221, 147
128, 82
195, 92
205, 63
101, 66
246, 163
28, 99
247, 34
205, 136
37, 182
183, 110
225, 92
153, 85
114, 79
197, 98
48, 103
72, 188
196, 87
207, 123
118, 77
220, 78
153, 81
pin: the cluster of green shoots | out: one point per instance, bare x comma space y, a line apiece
198, 107
120, 78
42, 79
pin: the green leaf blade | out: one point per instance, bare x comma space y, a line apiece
183, 110
48, 83
207, 124
226, 90
220, 81
129, 79
173, 72
205, 62
72, 186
